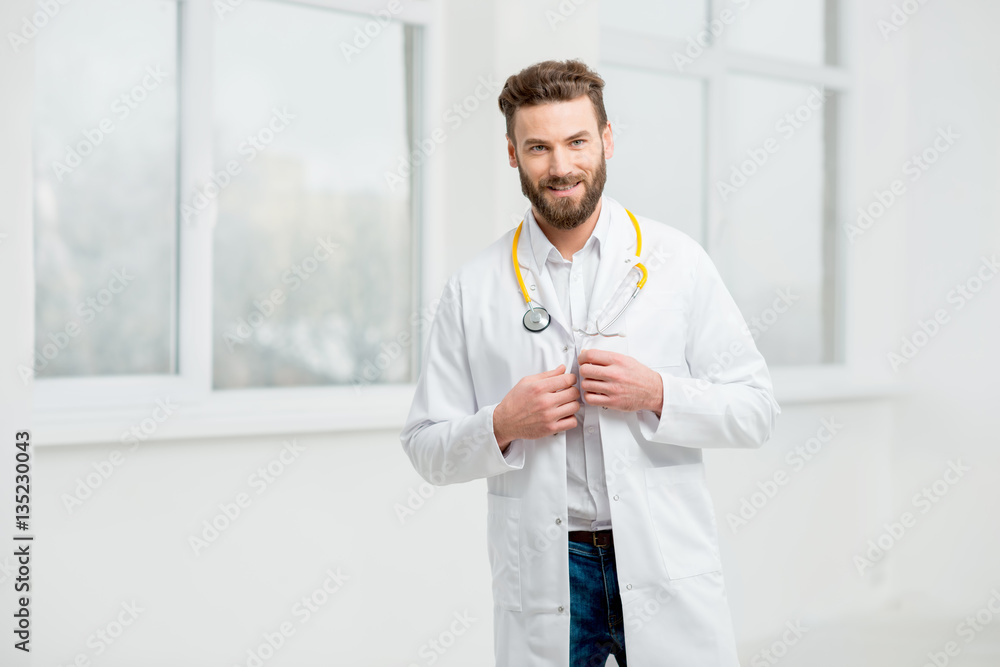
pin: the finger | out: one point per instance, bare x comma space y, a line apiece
603, 387
558, 370
597, 357
568, 382
565, 424
566, 409
558, 383
595, 398
548, 380
595, 372
567, 395
590, 394
596, 387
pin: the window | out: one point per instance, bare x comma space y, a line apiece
105, 143
312, 266
741, 107
221, 205
655, 116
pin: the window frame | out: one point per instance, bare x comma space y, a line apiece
625, 48
99, 409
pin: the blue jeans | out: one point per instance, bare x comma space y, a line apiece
596, 625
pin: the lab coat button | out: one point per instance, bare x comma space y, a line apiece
628, 586
616, 496
565, 348
558, 520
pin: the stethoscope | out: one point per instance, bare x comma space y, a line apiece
537, 318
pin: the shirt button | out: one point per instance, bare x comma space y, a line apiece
558, 520
590, 429
628, 586
616, 496
560, 609
565, 348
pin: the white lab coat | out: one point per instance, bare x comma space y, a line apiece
717, 393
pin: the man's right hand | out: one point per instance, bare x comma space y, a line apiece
537, 406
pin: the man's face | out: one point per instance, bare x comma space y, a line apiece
560, 157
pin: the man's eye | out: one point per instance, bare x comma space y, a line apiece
540, 148
578, 141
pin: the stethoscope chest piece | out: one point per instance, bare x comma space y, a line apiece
536, 319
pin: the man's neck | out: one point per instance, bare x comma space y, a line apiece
568, 241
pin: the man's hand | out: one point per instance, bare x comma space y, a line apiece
537, 406
618, 381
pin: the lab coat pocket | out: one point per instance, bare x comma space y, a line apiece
683, 519
504, 544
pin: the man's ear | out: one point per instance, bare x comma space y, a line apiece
511, 152
609, 141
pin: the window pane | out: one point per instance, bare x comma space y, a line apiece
105, 152
671, 18
658, 122
770, 249
791, 29
313, 269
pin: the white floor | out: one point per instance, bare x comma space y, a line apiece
892, 642
885, 642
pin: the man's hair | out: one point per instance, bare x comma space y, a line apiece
552, 81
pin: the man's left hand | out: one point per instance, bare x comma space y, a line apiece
617, 381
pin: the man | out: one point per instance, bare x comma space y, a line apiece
601, 534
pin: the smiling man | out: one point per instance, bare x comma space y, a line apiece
580, 364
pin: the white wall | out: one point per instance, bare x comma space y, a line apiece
17, 292
333, 506
952, 221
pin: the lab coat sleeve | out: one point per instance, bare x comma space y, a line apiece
728, 400
448, 437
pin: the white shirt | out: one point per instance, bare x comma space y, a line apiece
588, 507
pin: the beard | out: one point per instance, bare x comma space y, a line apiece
563, 212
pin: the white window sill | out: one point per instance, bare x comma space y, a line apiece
825, 384
222, 414
263, 412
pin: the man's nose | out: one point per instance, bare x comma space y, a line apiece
561, 164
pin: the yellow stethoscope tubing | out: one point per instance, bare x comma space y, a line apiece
638, 265
517, 266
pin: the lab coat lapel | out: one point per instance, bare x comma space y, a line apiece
538, 283
617, 260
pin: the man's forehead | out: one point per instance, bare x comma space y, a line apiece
555, 119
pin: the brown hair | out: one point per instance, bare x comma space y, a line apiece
552, 81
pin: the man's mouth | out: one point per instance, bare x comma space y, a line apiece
563, 190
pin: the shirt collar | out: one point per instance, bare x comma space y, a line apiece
542, 248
